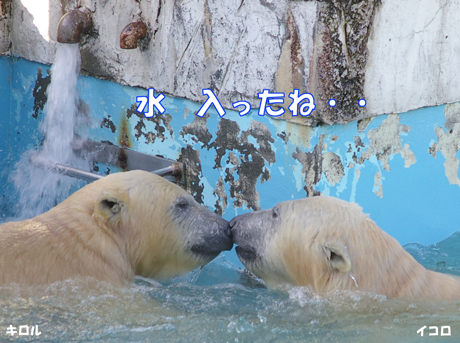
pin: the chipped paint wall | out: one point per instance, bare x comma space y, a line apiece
397, 55
401, 168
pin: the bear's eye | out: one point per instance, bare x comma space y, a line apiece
182, 204
275, 212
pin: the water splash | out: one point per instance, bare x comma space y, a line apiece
354, 280
38, 187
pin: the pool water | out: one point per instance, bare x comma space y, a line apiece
222, 303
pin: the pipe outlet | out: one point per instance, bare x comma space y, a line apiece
131, 34
73, 24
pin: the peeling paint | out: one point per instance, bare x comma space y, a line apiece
354, 184
386, 142
199, 129
251, 164
124, 141
161, 125
333, 168
39, 91
312, 166
363, 124
408, 156
328, 48
108, 123
191, 158
297, 135
448, 142
378, 188
222, 200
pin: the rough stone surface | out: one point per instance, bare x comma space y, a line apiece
414, 55
5, 8
340, 59
397, 55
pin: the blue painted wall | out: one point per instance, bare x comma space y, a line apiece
386, 164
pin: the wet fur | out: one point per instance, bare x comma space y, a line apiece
298, 251
111, 230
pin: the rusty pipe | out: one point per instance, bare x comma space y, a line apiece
174, 170
131, 34
73, 24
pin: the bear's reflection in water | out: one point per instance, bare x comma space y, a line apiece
217, 303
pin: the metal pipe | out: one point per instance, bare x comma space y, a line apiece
73, 24
76, 173
174, 170
131, 34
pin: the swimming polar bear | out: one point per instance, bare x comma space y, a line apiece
125, 224
328, 244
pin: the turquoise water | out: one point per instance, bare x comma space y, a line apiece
442, 257
222, 303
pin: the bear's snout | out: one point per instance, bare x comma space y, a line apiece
228, 230
231, 224
242, 235
216, 239
245, 227
223, 227
234, 227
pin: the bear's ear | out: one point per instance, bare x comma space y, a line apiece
337, 256
107, 206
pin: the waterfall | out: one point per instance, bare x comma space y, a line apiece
38, 187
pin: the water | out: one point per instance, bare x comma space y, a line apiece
37, 186
443, 257
218, 303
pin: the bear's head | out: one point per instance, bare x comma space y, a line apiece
305, 242
160, 227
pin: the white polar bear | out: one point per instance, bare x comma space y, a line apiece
328, 244
126, 224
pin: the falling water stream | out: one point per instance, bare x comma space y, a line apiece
39, 188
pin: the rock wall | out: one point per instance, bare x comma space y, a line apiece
396, 55
5, 12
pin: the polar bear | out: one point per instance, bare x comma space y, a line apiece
125, 224
328, 244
